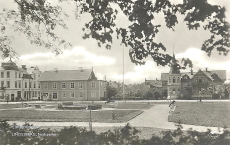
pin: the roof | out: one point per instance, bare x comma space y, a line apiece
155, 83
188, 74
66, 75
221, 74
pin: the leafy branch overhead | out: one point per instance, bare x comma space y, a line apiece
139, 36
37, 21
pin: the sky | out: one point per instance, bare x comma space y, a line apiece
109, 63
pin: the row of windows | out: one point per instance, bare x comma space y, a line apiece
18, 84
174, 80
8, 74
54, 95
17, 75
201, 79
72, 85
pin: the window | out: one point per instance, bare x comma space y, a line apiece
80, 85
72, 85
8, 74
19, 84
54, 95
178, 79
72, 94
8, 84
81, 94
39, 85
169, 80
54, 85
63, 94
63, 85
45, 85
25, 84
34, 84
16, 84
174, 79
199, 80
2, 83
19, 75
2, 74
93, 85
93, 94
16, 74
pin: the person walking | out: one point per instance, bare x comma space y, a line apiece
172, 103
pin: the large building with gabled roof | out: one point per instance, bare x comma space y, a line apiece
74, 85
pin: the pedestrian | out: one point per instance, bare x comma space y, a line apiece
172, 103
200, 98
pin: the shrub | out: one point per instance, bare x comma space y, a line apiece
124, 136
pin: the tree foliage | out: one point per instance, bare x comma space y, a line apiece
111, 92
127, 135
139, 36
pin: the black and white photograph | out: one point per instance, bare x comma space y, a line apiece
115, 72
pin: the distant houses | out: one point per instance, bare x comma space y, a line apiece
82, 84
74, 85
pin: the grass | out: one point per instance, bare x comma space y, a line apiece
216, 114
69, 115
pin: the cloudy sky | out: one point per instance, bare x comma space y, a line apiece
86, 53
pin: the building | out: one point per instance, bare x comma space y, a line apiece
35, 84
15, 82
156, 85
178, 83
78, 85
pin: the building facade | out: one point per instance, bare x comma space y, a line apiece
195, 83
15, 82
73, 85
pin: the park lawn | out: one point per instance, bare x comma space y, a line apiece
10, 106
216, 114
69, 115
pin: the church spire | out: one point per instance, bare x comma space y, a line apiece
175, 67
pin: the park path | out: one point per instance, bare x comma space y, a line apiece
155, 117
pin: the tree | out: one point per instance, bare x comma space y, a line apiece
139, 36
111, 92
148, 95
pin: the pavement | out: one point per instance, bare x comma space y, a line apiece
155, 117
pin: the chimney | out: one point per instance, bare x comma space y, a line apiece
206, 69
80, 68
191, 72
24, 67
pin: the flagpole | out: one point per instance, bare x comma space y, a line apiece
123, 75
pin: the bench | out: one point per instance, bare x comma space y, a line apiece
25, 104
38, 106
67, 103
112, 104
